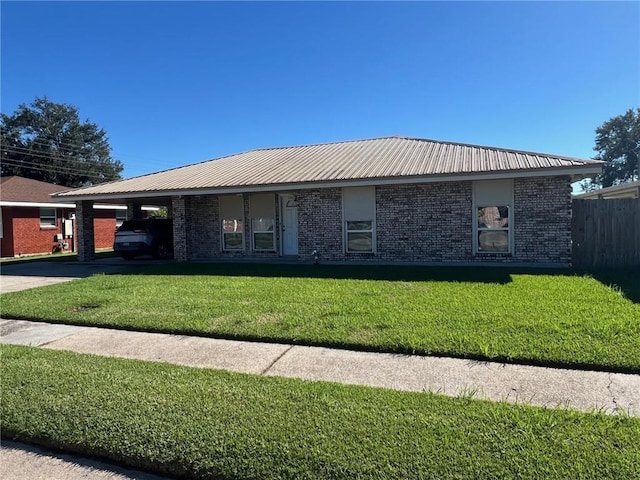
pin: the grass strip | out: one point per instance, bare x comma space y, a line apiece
553, 318
206, 424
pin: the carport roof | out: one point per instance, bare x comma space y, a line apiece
360, 162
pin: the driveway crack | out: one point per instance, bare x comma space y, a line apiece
275, 360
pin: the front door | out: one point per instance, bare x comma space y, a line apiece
289, 225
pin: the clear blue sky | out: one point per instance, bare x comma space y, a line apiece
175, 83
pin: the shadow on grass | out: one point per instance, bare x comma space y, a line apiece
626, 280
338, 272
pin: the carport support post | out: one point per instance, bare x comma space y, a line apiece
134, 210
179, 215
86, 238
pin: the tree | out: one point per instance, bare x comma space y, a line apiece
46, 141
618, 145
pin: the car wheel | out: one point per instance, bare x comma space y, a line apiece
161, 251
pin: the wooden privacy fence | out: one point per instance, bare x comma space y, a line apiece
606, 233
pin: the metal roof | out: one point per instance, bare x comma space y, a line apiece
622, 190
372, 160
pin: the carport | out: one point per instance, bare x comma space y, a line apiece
85, 219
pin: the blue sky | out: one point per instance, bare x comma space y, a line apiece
175, 83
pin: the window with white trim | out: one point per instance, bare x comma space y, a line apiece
493, 200
48, 217
263, 222
232, 222
359, 213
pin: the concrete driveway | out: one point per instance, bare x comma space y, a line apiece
37, 273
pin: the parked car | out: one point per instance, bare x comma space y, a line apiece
151, 236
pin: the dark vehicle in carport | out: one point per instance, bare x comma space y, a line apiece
151, 236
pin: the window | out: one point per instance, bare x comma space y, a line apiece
48, 217
360, 236
493, 216
493, 229
263, 238
232, 234
358, 205
121, 216
263, 221
232, 215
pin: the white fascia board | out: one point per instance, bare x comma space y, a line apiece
37, 204
68, 205
102, 206
585, 170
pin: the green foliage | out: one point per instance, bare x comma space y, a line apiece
618, 144
552, 318
162, 212
46, 141
208, 424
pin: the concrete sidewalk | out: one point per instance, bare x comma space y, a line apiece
576, 389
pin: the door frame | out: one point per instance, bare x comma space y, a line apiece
284, 198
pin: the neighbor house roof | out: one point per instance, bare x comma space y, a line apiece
624, 190
16, 191
378, 160
20, 191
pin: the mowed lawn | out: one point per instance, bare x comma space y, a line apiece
208, 424
533, 316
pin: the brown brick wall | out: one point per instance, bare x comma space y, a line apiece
104, 227
429, 222
23, 235
542, 219
26, 235
320, 223
414, 223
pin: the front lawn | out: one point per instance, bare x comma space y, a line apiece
550, 318
195, 423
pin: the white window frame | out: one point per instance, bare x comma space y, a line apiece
238, 228
348, 231
501, 195
348, 217
54, 217
264, 207
271, 232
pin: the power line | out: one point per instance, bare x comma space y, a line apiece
79, 162
79, 168
61, 170
154, 163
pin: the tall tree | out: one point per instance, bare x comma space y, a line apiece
618, 144
46, 141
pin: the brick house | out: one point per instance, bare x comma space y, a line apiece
33, 223
389, 199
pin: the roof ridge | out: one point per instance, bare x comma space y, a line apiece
418, 139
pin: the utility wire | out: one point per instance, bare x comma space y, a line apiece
78, 162
44, 143
79, 168
93, 176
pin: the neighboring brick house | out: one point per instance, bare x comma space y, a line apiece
389, 199
32, 223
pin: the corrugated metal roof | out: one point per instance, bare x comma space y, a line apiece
378, 158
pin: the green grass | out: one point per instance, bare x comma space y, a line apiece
213, 424
548, 318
